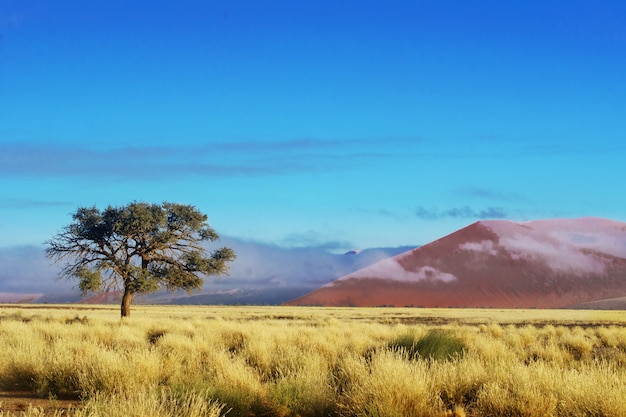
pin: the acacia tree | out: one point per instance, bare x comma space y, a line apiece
138, 248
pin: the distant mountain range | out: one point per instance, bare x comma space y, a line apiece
562, 263
261, 274
266, 274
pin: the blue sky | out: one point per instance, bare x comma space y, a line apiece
339, 124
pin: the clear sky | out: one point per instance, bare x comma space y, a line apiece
344, 124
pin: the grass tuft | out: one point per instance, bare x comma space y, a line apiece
155, 335
77, 320
437, 344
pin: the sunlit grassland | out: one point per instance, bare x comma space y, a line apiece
296, 361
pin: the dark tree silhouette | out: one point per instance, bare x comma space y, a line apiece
138, 248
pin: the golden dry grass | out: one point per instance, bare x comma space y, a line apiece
294, 361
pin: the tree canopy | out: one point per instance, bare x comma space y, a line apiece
138, 248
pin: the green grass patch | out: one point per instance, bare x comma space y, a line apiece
437, 344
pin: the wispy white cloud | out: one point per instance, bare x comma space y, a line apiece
227, 159
481, 193
558, 255
314, 239
383, 212
433, 213
390, 268
464, 212
484, 246
15, 203
220, 159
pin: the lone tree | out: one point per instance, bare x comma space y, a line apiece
138, 248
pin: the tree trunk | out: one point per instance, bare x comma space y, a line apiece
126, 300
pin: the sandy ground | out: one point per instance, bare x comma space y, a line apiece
18, 401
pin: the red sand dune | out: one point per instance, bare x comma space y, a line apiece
539, 264
18, 298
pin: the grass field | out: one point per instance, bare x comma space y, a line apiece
284, 361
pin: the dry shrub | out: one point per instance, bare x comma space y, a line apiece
305, 391
578, 343
459, 382
492, 329
436, 344
593, 389
152, 403
387, 385
514, 391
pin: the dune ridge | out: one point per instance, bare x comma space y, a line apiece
558, 263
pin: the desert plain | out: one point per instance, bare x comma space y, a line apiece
73, 360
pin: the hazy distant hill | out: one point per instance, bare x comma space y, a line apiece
266, 274
261, 274
18, 298
543, 264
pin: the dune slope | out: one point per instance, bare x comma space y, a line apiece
539, 264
